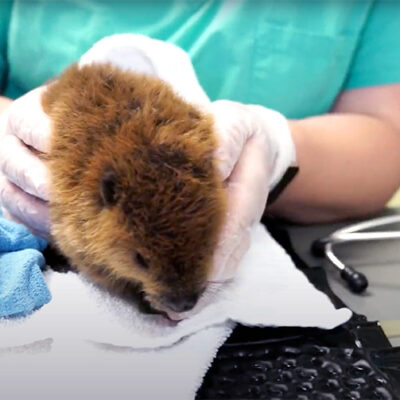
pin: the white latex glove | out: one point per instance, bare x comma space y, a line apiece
254, 151
23, 176
152, 57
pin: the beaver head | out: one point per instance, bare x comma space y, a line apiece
135, 193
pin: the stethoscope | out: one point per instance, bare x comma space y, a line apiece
324, 247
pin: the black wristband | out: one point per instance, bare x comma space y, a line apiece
288, 176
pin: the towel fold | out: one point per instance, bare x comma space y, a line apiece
22, 287
268, 290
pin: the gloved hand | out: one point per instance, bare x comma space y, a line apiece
255, 149
23, 181
24, 131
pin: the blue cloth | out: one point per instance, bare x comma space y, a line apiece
22, 287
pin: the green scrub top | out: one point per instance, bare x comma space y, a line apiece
292, 56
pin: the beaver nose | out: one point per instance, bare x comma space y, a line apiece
180, 303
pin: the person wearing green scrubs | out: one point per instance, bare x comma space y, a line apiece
331, 67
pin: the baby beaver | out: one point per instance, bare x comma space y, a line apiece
136, 199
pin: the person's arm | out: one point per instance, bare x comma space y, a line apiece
4, 103
349, 159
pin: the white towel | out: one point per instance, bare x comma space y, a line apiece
103, 348
88, 344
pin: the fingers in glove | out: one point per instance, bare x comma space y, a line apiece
27, 121
233, 262
233, 128
22, 167
228, 266
12, 217
247, 193
248, 184
24, 208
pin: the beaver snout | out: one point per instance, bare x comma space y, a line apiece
179, 303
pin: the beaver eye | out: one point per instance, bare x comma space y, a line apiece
108, 188
141, 261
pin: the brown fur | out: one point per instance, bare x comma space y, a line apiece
169, 203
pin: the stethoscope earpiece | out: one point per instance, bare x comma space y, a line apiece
357, 281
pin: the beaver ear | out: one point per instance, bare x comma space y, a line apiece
108, 188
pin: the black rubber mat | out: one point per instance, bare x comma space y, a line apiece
299, 368
354, 361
